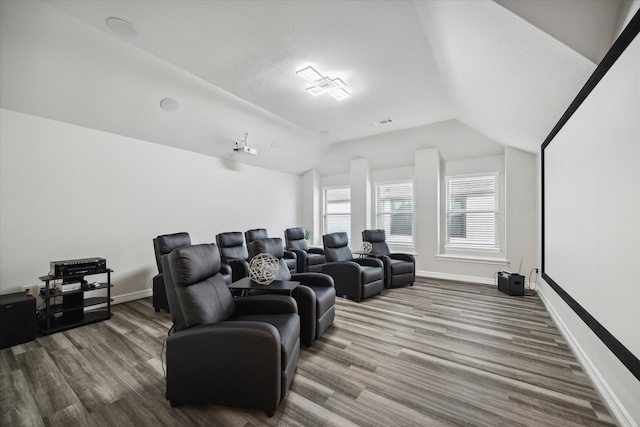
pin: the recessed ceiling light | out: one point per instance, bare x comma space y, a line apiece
170, 104
277, 143
122, 27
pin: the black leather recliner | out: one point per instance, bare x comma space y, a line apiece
261, 233
316, 295
356, 278
238, 352
233, 253
163, 245
309, 259
399, 268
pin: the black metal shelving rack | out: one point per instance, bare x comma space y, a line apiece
70, 313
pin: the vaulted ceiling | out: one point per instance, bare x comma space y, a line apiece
507, 69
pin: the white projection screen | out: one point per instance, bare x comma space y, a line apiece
591, 201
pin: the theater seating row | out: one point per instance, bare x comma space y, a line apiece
252, 343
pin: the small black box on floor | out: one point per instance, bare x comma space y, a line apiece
511, 283
18, 319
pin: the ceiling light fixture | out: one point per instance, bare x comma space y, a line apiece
122, 27
323, 84
242, 147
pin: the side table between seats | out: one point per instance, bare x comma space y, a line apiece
277, 286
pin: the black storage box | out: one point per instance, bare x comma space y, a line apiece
511, 283
18, 319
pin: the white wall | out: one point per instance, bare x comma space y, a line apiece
427, 181
72, 192
521, 241
311, 208
360, 201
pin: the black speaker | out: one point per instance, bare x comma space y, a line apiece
511, 283
18, 319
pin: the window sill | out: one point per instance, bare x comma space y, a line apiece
472, 259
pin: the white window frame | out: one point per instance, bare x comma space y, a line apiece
326, 214
489, 211
393, 238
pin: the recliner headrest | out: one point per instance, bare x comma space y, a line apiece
336, 240
165, 243
255, 234
271, 246
294, 233
168, 242
373, 236
193, 264
230, 239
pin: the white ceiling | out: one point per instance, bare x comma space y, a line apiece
507, 69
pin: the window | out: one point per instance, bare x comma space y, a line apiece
337, 210
394, 211
472, 211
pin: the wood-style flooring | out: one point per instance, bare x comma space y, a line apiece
434, 354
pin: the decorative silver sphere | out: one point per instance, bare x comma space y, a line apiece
367, 247
263, 268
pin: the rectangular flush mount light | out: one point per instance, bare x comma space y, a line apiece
339, 94
322, 84
309, 74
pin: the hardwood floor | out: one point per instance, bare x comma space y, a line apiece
435, 354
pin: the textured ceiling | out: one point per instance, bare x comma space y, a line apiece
507, 69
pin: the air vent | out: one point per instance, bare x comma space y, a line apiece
383, 122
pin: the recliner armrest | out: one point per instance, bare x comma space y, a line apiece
202, 335
403, 257
301, 256
342, 269
313, 250
225, 269
297, 252
239, 268
369, 261
158, 279
314, 279
266, 304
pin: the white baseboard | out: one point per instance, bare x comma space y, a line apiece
615, 406
455, 277
119, 299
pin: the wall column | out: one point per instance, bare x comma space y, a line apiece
427, 206
360, 201
311, 208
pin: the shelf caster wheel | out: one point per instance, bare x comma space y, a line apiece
157, 309
174, 403
271, 413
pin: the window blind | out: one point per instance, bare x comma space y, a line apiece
337, 210
472, 211
394, 210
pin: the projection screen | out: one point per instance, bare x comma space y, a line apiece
591, 201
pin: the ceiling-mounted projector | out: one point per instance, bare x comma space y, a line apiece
243, 148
